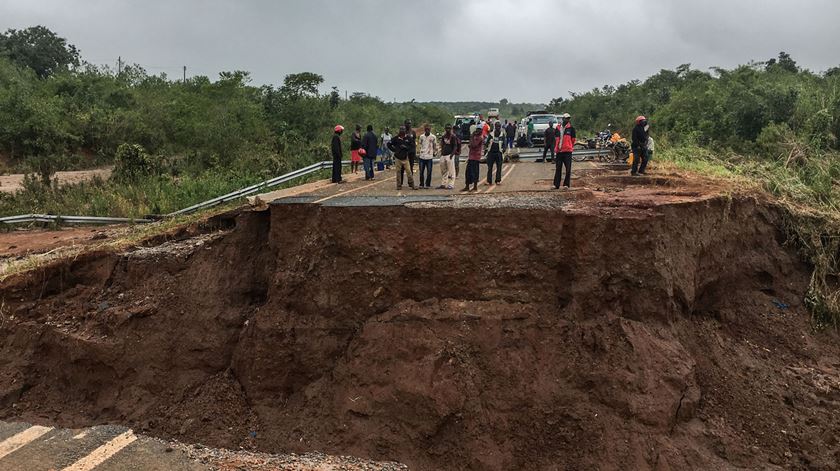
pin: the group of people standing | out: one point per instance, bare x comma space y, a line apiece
403, 151
406, 149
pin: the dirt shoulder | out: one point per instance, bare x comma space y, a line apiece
14, 183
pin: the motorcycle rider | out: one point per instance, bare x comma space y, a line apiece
639, 146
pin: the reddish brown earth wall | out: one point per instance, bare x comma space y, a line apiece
443, 338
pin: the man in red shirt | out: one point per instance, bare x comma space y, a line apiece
566, 145
474, 162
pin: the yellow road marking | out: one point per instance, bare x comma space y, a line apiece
21, 439
99, 455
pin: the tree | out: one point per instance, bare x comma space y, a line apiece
39, 49
787, 63
784, 62
335, 98
304, 84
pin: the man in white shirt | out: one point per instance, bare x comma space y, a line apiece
428, 149
387, 155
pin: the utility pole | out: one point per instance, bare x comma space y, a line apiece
185, 74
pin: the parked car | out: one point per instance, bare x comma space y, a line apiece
541, 122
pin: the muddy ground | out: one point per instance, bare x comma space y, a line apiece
653, 323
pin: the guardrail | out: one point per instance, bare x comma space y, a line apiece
254, 188
50, 218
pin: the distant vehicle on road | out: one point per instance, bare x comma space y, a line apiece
462, 125
541, 122
493, 113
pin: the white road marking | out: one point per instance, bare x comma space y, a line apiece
99, 455
349, 191
21, 439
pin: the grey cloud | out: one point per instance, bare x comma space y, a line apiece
437, 50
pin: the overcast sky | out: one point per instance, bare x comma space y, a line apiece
456, 50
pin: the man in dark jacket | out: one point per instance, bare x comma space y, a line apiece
639, 146
548, 146
411, 140
370, 143
336, 154
400, 147
510, 130
496, 145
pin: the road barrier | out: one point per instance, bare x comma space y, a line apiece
59, 219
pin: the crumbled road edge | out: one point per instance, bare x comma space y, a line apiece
228, 460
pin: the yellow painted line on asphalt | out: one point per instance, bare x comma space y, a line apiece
21, 439
492, 187
99, 455
80, 435
342, 193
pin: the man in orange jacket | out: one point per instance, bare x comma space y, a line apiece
566, 145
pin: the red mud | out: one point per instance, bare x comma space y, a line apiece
601, 335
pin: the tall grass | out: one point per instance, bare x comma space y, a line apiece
145, 196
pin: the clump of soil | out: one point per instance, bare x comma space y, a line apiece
658, 333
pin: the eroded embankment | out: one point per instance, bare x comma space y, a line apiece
470, 338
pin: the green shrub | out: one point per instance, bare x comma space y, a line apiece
132, 162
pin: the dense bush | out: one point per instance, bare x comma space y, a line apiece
57, 115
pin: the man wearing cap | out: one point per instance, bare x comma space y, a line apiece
639, 145
448, 149
336, 154
566, 145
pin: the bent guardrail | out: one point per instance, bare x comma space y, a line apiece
253, 188
51, 218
